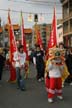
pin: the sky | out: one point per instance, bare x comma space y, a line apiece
30, 7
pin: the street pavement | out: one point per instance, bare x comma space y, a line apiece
35, 95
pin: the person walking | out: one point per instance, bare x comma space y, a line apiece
2, 62
19, 60
38, 60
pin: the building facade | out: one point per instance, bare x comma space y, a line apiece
59, 33
67, 22
4, 35
45, 30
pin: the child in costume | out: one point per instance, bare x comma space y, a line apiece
54, 71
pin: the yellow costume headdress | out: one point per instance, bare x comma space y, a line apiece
1, 50
56, 53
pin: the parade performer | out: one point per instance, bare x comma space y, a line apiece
54, 71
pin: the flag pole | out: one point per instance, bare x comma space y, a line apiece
24, 45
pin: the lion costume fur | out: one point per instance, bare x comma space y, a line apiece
55, 53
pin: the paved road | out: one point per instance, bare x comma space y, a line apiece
34, 97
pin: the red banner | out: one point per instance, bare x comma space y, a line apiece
13, 49
52, 42
23, 37
53, 37
39, 40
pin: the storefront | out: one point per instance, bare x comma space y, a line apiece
68, 41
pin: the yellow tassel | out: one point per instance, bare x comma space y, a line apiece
65, 73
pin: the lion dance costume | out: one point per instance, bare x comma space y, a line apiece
54, 72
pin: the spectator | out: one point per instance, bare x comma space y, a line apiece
69, 65
38, 60
2, 62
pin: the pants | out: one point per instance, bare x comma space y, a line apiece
20, 77
47, 82
1, 71
69, 79
40, 70
55, 87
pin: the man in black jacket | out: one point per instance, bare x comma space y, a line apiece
2, 62
38, 60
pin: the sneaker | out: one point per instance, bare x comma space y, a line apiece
71, 83
23, 89
39, 80
60, 97
42, 79
50, 100
62, 85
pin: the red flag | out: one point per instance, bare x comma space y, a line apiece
13, 49
23, 37
24, 45
39, 40
53, 36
